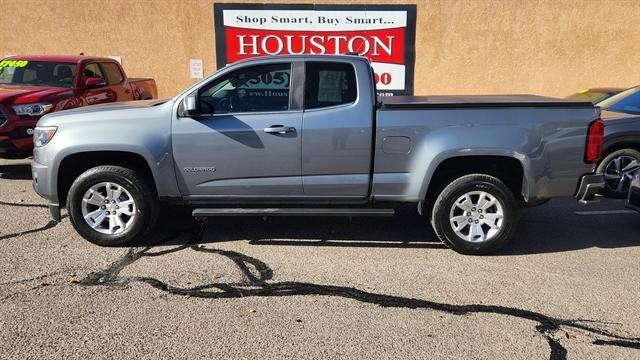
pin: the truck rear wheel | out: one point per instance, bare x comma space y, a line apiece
112, 205
476, 214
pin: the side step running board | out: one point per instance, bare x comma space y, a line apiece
290, 212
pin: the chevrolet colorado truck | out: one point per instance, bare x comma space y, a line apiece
31, 86
306, 136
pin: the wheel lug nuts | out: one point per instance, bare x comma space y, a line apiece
473, 209
477, 221
479, 210
106, 201
103, 207
468, 214
107, 213
470, 220
113, 201
481, 217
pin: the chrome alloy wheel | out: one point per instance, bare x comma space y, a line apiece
108, 208
619, 172
476, 216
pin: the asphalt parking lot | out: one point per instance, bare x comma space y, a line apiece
317, 288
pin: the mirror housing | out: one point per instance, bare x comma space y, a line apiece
189, 106
94, 82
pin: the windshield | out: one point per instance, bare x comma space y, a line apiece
37, 73
627, 101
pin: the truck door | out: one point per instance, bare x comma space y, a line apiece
337, 129
246, 142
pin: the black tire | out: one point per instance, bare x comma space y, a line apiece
610, 187
440, 215
141, 190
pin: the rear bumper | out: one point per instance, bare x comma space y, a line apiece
589, 187
633, 202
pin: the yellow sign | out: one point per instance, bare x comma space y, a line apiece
13, 63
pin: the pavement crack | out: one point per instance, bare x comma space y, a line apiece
258, 275
621, 343
24, 205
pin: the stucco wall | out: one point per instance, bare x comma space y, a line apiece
550, 47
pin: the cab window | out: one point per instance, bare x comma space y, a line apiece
329, 84
252, 89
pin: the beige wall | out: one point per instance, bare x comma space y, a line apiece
550, 47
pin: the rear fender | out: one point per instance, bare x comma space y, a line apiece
452, 142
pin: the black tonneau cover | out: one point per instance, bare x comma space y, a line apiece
475, 101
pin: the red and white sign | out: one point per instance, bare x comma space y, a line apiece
380, 33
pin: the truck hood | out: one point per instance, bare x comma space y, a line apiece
111, 112
22, 94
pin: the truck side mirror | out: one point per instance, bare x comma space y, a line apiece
94, 82
191, 105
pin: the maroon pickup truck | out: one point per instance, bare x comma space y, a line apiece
31, 86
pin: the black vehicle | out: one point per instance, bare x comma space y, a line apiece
633, 201
621, 157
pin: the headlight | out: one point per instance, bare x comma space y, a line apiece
42, 135
36, 109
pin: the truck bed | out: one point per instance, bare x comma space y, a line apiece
477, 101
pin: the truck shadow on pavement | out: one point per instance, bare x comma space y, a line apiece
410, 231
535, 235
258, 282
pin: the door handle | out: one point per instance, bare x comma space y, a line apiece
279, 129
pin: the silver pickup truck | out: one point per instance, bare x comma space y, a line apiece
306, 136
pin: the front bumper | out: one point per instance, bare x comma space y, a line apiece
16, 134
45, 187
633, 202
589, 187
12, 149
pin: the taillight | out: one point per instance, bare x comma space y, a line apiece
595, 142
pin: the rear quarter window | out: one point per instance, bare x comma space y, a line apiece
329, 84
113, 73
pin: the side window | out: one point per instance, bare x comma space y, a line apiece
329, 84
92, 70
113, 73
252, 89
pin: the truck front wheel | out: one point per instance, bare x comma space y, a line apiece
112, 205
475, 214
